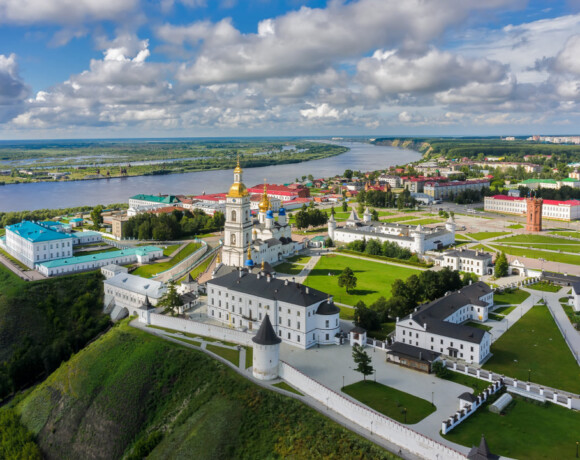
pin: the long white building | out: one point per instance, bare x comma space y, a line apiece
551, 209
437, 326
130, 292
301, 316
466, 260
417, 239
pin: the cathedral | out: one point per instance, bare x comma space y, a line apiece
263, 240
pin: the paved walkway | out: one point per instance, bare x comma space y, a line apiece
500, 327
28, 275
571, 335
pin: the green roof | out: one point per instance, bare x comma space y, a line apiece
539, 181
169, 199
143, 250
569, 179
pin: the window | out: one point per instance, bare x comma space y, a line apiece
313, 336
327, 323
280, 333
288, 335
288, 311
233, 216
289, 322
298, 325
431, 347
431, 341
327, 337
260, 316
403, 340
442, 342
403, 331
297, 313
279, 320
471, 357
233, 239
249, 302
471, 348
417, 335
298, 338
461, 346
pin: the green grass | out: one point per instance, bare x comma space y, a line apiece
536, 239
128, 385
572, 315
288, 268
512, 297
466, 380
389, 401
478, 326
374, 279
479, 236
563, 233
495, 317
574, 248
170, 249
545, 287
527, 430
346, 313
515, 226
249, 356
202, 267
192, 336
383, 332
298, 259
533, 254
460, 237
535, 343
147, 271
504, 310
424, 222
233, 356
285, 386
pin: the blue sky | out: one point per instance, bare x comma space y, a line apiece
131, 68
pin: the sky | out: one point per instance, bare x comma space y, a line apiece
203, 68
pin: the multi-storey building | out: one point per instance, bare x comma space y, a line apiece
466, 260
437, 326
301, 316
443, 190
551, 209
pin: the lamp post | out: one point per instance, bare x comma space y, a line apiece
405, 415
342, 383
529, 372
327, 403
433, 398
371, 427
577, 442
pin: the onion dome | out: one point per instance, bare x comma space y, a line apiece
281, 212
270, 214
264, 203
238, 189
249, 261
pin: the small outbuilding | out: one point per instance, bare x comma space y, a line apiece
501, 403
466, 399
357, 336
416, 358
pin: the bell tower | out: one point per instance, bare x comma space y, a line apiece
534, 214
238, 227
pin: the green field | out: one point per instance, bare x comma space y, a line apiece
479, 236
147, 271
170, 249
286, 387
564, 233
476, 384
534, 254
424, 222
133, 395
233, 356
390, 402
573, 248
374, 278
298, 259
536, 239
201, 267
346, 313
505, 310
526, 431
535, 343
514, 297
288, 268
545, 287
515, 226
478, 325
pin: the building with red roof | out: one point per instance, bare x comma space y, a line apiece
551, 209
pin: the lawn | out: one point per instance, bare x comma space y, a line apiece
478, 326
249, 356
424, 222
505, 310
546, 287
289, 269
298, 259
551, 247
495, 317
169, 249
147, 271
476, 384
346, 313
479, 236
386, 329
535, 343
286, 387
374, 278
200, 268
515, 226
535, 239
514, 297
527, 430
533, 254
571, 234
233, 356
572, 315
390, 402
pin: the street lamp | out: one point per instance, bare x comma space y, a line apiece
529, 372
432, 398
371, 427
577, 442
405, 415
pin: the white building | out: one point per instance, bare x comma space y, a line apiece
301, 316
392, 180
443, 190
125, 294
576, 296
437, 326
33, 243
466, 260
551, 209
417, 239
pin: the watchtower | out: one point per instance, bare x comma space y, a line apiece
534, 214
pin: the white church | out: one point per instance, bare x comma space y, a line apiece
417, 239
242, 293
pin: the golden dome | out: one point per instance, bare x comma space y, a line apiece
238, 169
264, 203
238, 190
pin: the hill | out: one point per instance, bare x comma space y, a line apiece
130, 395
43, 322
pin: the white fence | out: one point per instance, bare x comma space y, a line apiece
194, 327
184, 266
376, 423
463, 413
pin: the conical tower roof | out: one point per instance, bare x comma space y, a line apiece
266, 334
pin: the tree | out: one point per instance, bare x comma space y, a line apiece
347, 279
501, 266
171, 300
328, 242
348, 174
96, 217
344, 206
365, 317
362, 361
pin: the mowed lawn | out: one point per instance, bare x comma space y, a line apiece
147, 271
527, 430
374, 278
390, 402
485, 235
515, 297
535, 343
535, 254
531, 239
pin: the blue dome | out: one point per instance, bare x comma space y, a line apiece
249, 263
281, 212
270, 214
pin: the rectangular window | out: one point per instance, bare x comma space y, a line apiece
297, 313
431, 339
298, 338
289, 322
461, 346
471, 348
298, 325
288, 335
327, 323
288, 311
327, 337
417, 335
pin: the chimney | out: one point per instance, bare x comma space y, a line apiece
420, 356
470, 281
397, 320
268, 277
307, 290
425, 326
240, 273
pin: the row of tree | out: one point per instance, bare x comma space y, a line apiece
171, 226
310, 217
406, 295
380, 199
375, 248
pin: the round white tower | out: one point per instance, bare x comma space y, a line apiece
450, 224
282, 216
266, 351
367, 216
331, 227
419, 238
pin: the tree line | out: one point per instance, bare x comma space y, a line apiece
310, 217
171, 226
374, 247
406, 295
380, 199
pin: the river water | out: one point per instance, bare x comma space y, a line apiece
52, 195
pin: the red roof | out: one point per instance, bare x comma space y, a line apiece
167, 210
551, 202
210, 197
273, 189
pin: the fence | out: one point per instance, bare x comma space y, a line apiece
376, 423
182, 267
562, 398
468, 409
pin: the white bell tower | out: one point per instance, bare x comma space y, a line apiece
238, 227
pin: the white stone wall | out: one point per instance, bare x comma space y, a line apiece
381, 425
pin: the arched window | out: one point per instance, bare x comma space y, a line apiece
233, 239
233, 216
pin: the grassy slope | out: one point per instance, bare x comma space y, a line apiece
128, 385
535, 343
374, 279
147, 271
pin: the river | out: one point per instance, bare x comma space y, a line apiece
52, 195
